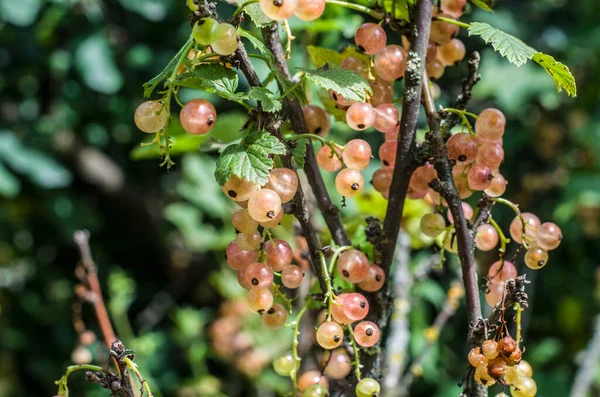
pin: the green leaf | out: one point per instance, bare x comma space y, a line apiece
319, 56
250, 159
150, 85
94, 61
347, 83
510, 47
401, 9
267, 99
560, 73
300, 153
484, 4
255, 12
213, 78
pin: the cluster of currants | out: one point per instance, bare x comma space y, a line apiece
221, 37
281, 10
500, 361
197, 117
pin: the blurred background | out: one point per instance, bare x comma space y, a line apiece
71, 75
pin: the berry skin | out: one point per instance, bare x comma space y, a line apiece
249, 241
480, 177
549, 236
390, 63
339, 99
264, 205
150, 116
360, 116
497, 368
243, 222
316, 391
284, 182
278, 10
317, 120
310, 378
337, 310
532, 223
355, 65
330, 335
382, 180
495, 294
536, 257
462, 148
490, 124
349, 182
374, 280
526, 387
486, 237
338, 365
366, 333
387, 117
237, 258
475, 357
443, 32
284, 364
258, 275
481, 376
454, 7
368, 387
383, 92
278, 254
355, 306
309, 10
506, 346
435, 69
205, 31
497, 186
275, 317
420, 179
259, 300
238, 189
357, 154
370, 38
451, 52
432, 225
502, 271
490, 154
292, 276
198, 116
489, 348
387, 153
273, 222
329, 161
353, 266
226, 42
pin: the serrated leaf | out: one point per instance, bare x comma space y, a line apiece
560, 73
484, 4
213, 78
150, 85
268, 100
255, 13
250, 159
510, 47
400, 8
300, 153
319, 56
347, 83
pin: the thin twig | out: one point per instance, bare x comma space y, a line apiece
464, 97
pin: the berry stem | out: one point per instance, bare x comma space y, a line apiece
453, 22
133, 367
518, 310
357, 7
335, 256
329, 295
289, 37
463, 115
503, 241
297, 359
63, 390
515, 208
356, 361
240, 9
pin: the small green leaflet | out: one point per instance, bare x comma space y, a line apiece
484, 4
319, 56
509, 46
560, 73
254, 11
212, 78
250, 159
400, 7
347, 83
300, 153
518, 53
267, 99
150, 85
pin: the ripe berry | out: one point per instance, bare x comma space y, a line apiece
482, 376
432, 225
316, 391
275, 317
278, 10
497, 186
382, 180
368, 387
435, 69
462, 148
480, 177
475, 357
366, 333
387, 153
259, 300
370, 38
284, 363
467, 211
264, 205
309, 10
355, 65
453, 7
383, 92
249, 241
337, 310
489, 348
273, 222
536, 257
259, 275
243, 222
328, 160
390, 63
357, 154
278, 254
549, 236
451, 52
349, 182
420, 179
329, 335
443, 32
339, 365
317, 120
237, 258
310, 378
238, 189
495, 293
486, 237
292, 276
502, 271
198, 116
490, 154
386, 117
526, 387
353, 266
339, 99
360, 116
532, 223
150, 116
490, 124
284, 182
355, 306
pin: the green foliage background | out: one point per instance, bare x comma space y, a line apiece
71, 75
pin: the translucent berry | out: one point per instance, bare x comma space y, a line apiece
243, 222
339, 99
526, 387
387, 117
451, 52
316, 391
275, 317
443, 32
292, 276
284, 182
497, 186
486, 237
357, 154
284, 363
249, 241
490, 154
309, 10
480, 177
360, 116
242, 281
353, 266
317, 120
421, 177
548, 236
453, 7
481, 376
390, 63
330, 335
238, 189
524, 369
337, 310
490, 124
273, 222
278, 10
264, 205
370, 38
382, 180
532, 223
435, 69
278, 254
502, 271
339, 365
349, 182
310, 378
368, 387
462, 185
237, 258
462, 148
495, 293
432, 225
356, 306
355, 65
366, 333
536, 257
374, 280
383, 92
489, 349
259, 300
205, 31
328, 160
226, 42
198, 116
387, 153
150, 116
259, 275
475, 357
